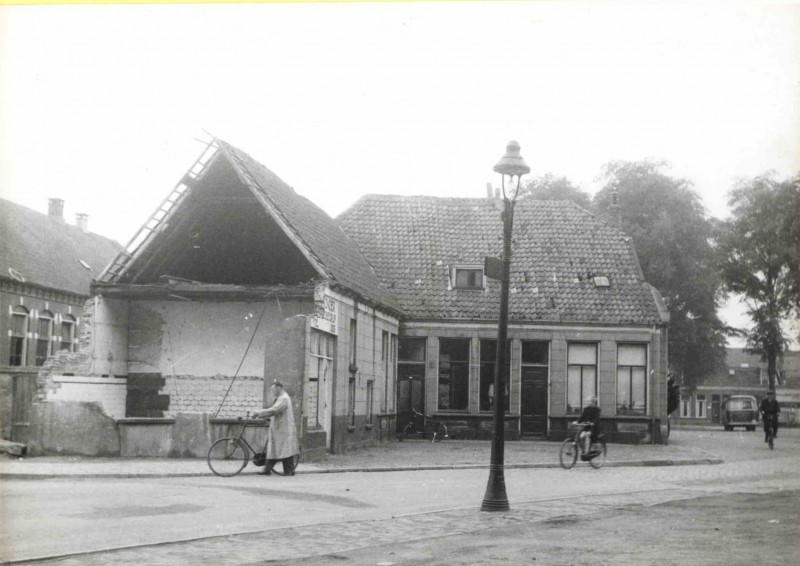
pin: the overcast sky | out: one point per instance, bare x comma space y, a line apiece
102, 105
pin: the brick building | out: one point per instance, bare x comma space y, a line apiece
744, 374
237, 280
46, 266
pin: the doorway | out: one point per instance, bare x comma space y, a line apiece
533, 390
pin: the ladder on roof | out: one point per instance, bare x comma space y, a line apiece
162, 214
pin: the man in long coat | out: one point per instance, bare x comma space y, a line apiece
282, 434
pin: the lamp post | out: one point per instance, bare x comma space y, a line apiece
511, 165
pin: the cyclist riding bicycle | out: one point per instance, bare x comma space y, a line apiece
590, 415
769, 410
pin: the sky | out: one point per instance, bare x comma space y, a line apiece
107, 106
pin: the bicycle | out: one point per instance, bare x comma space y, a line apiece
572, 447
415, 427
230, 454
769, 425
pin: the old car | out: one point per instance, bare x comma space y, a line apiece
740, 410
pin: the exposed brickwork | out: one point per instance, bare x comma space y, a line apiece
198, 394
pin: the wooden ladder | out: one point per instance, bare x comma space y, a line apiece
161, 216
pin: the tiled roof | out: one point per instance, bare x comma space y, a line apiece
321, 236
47, 252
558, 249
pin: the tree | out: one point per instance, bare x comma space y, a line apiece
674, 240
759, 259
550, 187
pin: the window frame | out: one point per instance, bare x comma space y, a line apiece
321, 353
480, 279
44, 337
18, 339
68, 320
582, 367
453, 383
486, 369
700, 406
630, 379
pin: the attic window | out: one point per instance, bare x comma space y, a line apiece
468, 277
601, 281
16, 275
86, 265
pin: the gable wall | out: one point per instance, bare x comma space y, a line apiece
183, 355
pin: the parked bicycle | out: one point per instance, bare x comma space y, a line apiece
573, 447
230, 454
418, 426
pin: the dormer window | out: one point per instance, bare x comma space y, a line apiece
468, 277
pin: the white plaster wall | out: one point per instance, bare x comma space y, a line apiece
110, 337
188, 338
108, 392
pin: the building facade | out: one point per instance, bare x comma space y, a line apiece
46, 267
745, 374
237, 281
582, 320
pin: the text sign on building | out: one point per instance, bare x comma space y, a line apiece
327, 312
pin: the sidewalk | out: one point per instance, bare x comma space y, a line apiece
391, 456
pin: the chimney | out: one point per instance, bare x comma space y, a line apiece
489, 190
614, 210
55, 209
82, 222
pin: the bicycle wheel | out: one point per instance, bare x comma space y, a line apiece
295, 462
568, 454
771, 441
405, 432
227, 457
598, 446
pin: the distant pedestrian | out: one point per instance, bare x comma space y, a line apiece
282, 443
769, 410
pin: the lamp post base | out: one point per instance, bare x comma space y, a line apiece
495, 498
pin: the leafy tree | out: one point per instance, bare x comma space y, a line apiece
550, 187
674, 240
759, 259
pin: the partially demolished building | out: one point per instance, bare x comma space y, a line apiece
237, 281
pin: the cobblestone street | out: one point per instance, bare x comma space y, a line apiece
249, 520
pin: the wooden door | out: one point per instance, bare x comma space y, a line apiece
533, 409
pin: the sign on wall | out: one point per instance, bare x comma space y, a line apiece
326, 316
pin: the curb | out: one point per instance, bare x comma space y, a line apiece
134, 475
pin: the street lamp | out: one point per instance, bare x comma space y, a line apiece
511, 165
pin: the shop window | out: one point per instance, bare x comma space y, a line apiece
19, 336
44, 336
685, 404
68, 333
632, 379
488, 362
319, 370
581, 375
453, 390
